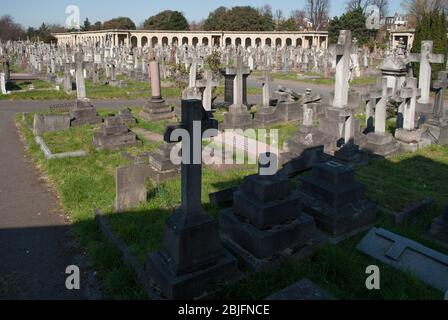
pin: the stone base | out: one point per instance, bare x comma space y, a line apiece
192, 285
411, 140
160, 162
289, 111
424, 109
157, 110
381, 144
340, 221
260, 249
439, 229
115, 141
350, 155
305, 138
83, 112
439, 131
265, 116
239, 118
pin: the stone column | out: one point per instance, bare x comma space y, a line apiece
155, 79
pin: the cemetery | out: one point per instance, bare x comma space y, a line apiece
251, 166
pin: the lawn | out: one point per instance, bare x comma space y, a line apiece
87, 183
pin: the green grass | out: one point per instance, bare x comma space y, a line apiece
87, 183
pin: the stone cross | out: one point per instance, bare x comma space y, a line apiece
440, 113
409, 94
80, 82
380, 109
266, 91
343, 50
2, 83
193, 73
425, 58
208, 83
238, 81
193, 113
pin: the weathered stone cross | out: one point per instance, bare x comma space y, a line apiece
425, 58
265, 83
80, 82
343, 51
409, 94
440, 113
208, 83
380, 108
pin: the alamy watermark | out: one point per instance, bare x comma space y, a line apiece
373, 281
73, 281
373, 21
73, 19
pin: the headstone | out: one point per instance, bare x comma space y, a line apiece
302, 290
130, 186
50, 123
430, 266
191, 259
156, 109
266, 223
208, 83
438, 126
265, 115
3, 83
114, 134
127, 116
229, 80
336, 200
343, 48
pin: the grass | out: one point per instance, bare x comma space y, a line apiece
87, 183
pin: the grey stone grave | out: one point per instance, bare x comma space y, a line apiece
160, 161
430, 266
266, 223
266, 114
114, 134
127, 116
50, 123
191, 260
438, 126
336, 200
131, 186
229, 82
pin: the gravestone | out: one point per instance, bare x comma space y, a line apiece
266, 223
156, 109
192, 91
266, 114
380, 142
336, 200
302, 290
160, 162
238, 116
50, 123
130, 186
208, 84
428, 265
439, 227
229, 81
438, 126
3, 83
191, 259
114, 134
127, 116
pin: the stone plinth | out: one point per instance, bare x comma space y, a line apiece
238, 117
114, 134
161, 162
83, 112
156, 110
381, 144
335, 200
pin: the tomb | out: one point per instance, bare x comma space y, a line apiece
114, 134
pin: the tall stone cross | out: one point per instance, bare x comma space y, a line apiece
425, 58
193, 114
193, 73
80, 82
440, 112
265, 84
343, 50
238, 81
208, 83
380, 109
409, 94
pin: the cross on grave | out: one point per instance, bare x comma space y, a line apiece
440, 113
425, 58
380, 108
238, 82
264, 81
80, 82
409, 94
343, 50
191, 251
208, 83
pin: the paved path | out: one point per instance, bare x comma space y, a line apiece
36, 243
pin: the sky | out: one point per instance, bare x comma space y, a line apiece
33, 13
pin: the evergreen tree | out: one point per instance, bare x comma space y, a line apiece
167, 20
432, 26
87, 25
353, 20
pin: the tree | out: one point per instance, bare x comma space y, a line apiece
353, 20
167, 20
288, 25
197, 25
419, 8
10, 30
278, 17
429, 28
239, 19
383, 5
44, 33
300, 19
97, 26
121, 23
317, 12
87, 25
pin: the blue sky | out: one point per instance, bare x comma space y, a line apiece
33, 13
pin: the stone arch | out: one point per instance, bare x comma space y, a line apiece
248, 42
237, 42
175, 41
288, 42
257, 42
195, 41
205, 41
228, 41
278, 42
299, 42
165, 41
268, 42
154, 41
184, 40
144, 41
134, 42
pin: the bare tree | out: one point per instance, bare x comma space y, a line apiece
299, 17
383, 5
419, 7
197, 25
9, 29
278, 16
317, 13
358, 4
